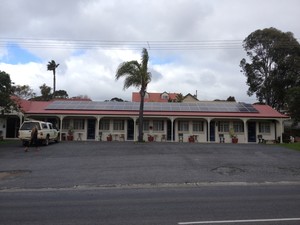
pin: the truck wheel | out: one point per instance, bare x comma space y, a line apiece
47, 141
57, 139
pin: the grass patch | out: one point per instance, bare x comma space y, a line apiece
295, 146
5, 142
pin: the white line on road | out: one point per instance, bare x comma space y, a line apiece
240, 221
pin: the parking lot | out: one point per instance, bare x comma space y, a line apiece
103, 164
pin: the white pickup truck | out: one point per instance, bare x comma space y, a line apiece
46, 132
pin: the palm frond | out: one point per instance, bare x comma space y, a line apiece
127, 68
52, 65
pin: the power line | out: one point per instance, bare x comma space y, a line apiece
122, 45
90, 44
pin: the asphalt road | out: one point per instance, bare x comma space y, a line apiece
151, 183
266, 205
70, 164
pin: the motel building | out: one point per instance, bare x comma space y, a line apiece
202, 121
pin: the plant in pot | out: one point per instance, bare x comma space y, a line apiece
233, 136
191, 138
150, 138
70, 135
109, 137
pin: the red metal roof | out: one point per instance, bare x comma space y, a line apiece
152, 97
39, 107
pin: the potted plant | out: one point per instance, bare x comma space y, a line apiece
150, 138
191, 138
233, 136
70, 136
109, 137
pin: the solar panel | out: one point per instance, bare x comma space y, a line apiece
153, 106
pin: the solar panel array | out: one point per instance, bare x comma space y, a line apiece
154, 106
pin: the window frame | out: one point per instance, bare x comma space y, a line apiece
238, 127
158, 125
78, 124
198, 126
66, 124
223, 126
146, 125
183, 125
118, 125
264, 127
104, 124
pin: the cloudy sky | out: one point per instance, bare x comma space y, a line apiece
194, 45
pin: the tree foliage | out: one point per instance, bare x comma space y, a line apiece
45, 94
179, 97
274, 65
62, 94
116, 99
231, 99
293, 101
6, 91
136, 75
23, 91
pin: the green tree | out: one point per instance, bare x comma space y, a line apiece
61, 94
23, 91
116, 99
136, 75
179, 97
45, 94
274, 66
293, 101
231, 99
6, 91
52, 67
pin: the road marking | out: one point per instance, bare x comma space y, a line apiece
240, 221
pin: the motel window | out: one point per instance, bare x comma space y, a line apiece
264, 127
183, 125
197, 126
118, 124
66, 124
158, 125
146, 125
238, 127
223, 126
104, 124
79, 124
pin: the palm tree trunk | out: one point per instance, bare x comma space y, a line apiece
54, 81
141, 117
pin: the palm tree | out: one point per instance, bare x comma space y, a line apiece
137, 75
52, 66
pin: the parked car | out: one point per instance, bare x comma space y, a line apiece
46, 132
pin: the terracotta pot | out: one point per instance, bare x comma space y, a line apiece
150, 138
234, 140
191, 139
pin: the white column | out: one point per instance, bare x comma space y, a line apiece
60, 127
134, 128
281, 129
245, 130
172, 120
97, 127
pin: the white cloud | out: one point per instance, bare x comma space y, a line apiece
72, 32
